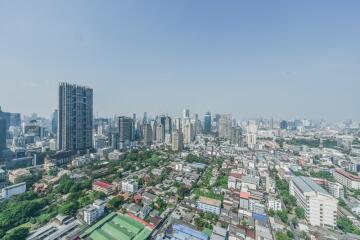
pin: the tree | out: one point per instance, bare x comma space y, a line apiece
19, 233
281, 236
345, 224
115, 202
283, 216
300, 212
68, 208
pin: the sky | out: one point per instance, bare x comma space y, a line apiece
281, 59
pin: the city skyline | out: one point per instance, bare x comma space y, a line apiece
295, 61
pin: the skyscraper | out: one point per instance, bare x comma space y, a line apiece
251, 134
177, 141
12, 119
148, 138
188, 133
236, 136
177, 123
126, 131
54, 121
186, 113
207, 122
75, 120
160, 133
225, 126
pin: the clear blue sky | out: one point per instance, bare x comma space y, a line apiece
284, 59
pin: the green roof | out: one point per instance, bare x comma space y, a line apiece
143, 235
118, 226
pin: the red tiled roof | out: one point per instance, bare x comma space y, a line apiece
141, 221
245, 195
250, 233
348, 175
103, 184
236, 175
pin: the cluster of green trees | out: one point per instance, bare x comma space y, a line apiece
116, 202
78, 195
347, 226
284, 235
283, 187
19, 210
323, 175
222, 180
190, 158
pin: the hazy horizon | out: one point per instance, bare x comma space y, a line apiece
248, 58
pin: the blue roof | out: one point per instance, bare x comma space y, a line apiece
260, 217
189, 231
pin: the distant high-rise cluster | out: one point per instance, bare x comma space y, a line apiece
75, 117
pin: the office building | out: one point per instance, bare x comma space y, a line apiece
160, 134
207, 122
148, 138
347, 179
320, 207
188, 133
251, 135
225, 124
13, 190
126, 131
75, 117
236, 136
177, 141
209, 205
177, 124
186, 113
12, 119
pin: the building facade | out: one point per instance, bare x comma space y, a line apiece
320, 207
177, 141
75, 117
347, 179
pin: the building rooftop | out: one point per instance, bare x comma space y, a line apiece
348, 175
103, 184
306, 184
119, 226
210, 201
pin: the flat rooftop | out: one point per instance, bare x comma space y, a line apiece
306, 184
210, 201
119, 226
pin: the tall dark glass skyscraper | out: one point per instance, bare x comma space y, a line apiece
207, 122
75, 117
126, 131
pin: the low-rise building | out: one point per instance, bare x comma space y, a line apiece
129, 186
13, 190
104, 187
335, 189
209, 205
93, 212
19, 175
347, 179
274, 204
